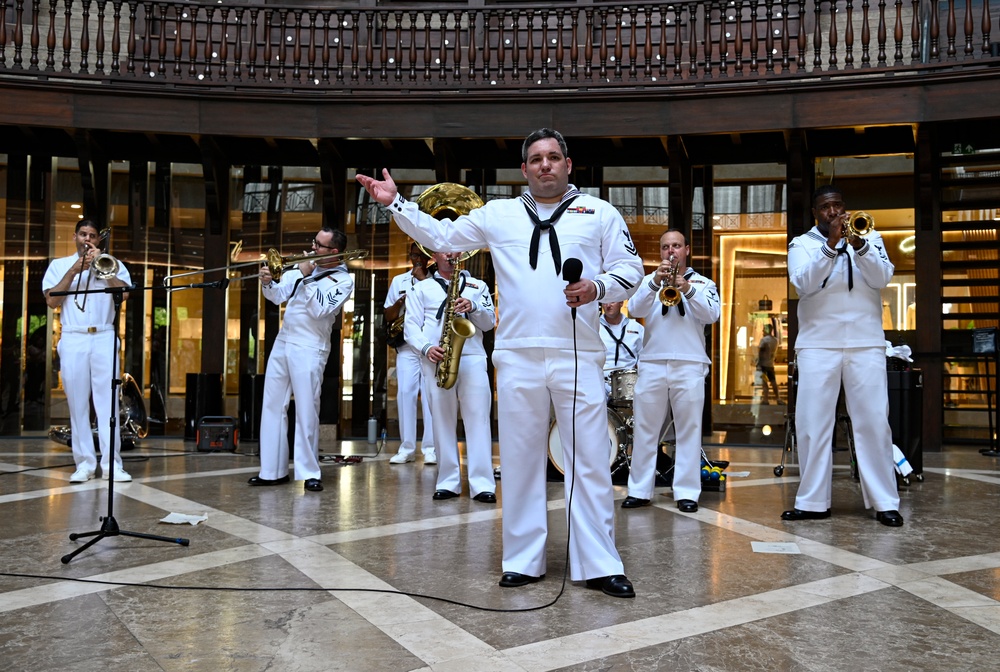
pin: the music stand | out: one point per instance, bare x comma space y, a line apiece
109, 526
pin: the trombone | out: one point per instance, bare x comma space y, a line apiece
104, 266
272, 259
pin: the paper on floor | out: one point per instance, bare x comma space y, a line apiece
181, 518
775, 547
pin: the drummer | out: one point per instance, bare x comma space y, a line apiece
622, 341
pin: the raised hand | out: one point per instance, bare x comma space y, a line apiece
383, 191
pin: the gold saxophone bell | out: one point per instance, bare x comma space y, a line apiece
859, 224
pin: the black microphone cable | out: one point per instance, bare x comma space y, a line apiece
569, 268
571, 271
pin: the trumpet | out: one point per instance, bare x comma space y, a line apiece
669, 295
858, 224
273, 260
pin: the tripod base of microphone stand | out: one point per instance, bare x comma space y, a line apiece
109, 528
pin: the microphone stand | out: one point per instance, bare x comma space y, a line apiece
109, 526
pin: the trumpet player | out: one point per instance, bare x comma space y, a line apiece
408, 370
86, 349
839, 277
425, 320
672, 369
314, 293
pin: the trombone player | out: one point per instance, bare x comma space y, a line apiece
427, 318
314, 292
678, 304
839, 276
87, 346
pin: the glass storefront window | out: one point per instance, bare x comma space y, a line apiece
187, 234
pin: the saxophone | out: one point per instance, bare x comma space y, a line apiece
454, 332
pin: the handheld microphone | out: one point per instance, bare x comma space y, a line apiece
571, 271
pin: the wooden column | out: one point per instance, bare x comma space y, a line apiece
927, 228
216, 174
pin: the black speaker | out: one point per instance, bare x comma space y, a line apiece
251, 401
203, 396
906, 413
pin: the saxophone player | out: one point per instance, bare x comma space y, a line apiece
427, 319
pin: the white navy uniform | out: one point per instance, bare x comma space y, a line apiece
622, 343
534, 360
296, 365
425, 313
841, 340
86, 351
672, 370
409, 381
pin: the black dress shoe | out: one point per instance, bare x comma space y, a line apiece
687, 505
616, 585
444, 494
314, 484
515, 580
799, 514
486, 498
634, 503
257, 480
890, 518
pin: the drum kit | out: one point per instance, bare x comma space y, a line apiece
620, 427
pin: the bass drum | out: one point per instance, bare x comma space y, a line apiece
616, 440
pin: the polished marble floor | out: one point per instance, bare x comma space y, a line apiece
282, 579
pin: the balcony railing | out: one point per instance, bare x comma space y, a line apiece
344, 50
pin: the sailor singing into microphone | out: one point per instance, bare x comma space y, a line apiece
529, 238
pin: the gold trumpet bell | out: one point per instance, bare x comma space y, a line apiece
860, 224
669, 295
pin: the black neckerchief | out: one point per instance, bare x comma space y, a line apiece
318, 276
680, 306
619, 342
444, 285
850, 269
547, 225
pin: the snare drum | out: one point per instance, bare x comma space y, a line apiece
622, 386
616, 437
